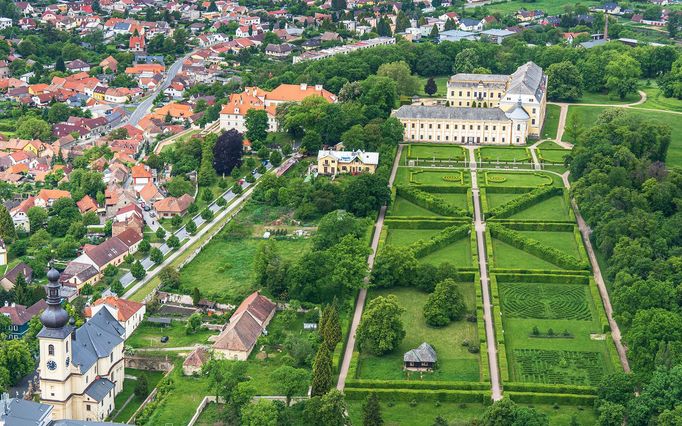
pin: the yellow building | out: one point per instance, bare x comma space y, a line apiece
334, 162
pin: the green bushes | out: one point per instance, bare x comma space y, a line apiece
525, 201
550, 254
548, 388
502, 362
395, 223
539, 226
551, 398
484, 366
426, 200
447, 236
449, 189
420, 395
539, 276
601, 313
405, 384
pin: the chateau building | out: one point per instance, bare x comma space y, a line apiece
482, 109
81, 369
334, 162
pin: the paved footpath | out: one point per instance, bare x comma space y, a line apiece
479, 226
362, 295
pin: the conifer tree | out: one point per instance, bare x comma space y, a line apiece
322, 371
7, 231
371, 411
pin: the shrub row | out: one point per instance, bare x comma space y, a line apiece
525, 201
354, 365
497, 323
508, 189
551, 398
426, 200
421, 224
601, 312
445, 237
480, 323
524, 277
474, 250
539, 226
408, 384
420, 395
532, 246
502, 362
484, 366
549, 388
521, 272
581, 247
449, 189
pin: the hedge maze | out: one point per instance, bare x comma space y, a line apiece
547, 309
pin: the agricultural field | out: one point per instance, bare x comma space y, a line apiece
549, 321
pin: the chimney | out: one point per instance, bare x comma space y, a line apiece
13, 304
6, 303
318, 87
304, 87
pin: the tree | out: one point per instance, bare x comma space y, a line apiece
7, 231
334, 226
141, 387
227, 152
16, 362
366, 193
193, 323
207, 174
393, 267
191, 227
322, 372
565, 82
170, 277
379, 93
649, 328
256, 123
611, 414
406, 83
145, 246
137, 270
160, 233
445, 304
155, 255
22, 294
207, 215
290, 381
173, 242
621, 74
59, 65
381, 329
329, 410
434, 32
466, 60
506, 412
430, 87
311, 142
37, 217
371, 411
330, 329
275, 158
196, 296
260, 413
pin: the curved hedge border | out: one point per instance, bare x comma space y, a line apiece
532, 246
421, 395
414, 384
525, 201
428, 201
447, 236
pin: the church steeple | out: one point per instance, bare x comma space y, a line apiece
55, 316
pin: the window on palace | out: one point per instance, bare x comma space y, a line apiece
413, 125
421, 126
486, 127
471, 127
438, 126
533, 121
533, 110
50, 350
518, 127
460, 93
478, 127
447, 127
430, 126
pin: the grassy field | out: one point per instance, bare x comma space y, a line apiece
431, 177
122, 414
553, 208
656, 100
454, 360
588, 115
438, 152
224, 269
549, 6
607, 99
511, 154
148, 335
402, 207
441, 83
405, 237
507, 256
457, 254
564, 241
403, 413
551, 122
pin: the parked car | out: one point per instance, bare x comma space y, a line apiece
164, 339
147, 208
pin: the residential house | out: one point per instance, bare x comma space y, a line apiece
9, 280
128, 313
195, 361
468, 24
172, 206
20, 316
279, 50
422, 358
47, 197
141, 176
19, 214
341, 162
238, 338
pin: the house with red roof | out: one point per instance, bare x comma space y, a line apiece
127, 312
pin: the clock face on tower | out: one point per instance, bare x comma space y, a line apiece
51, 365
68, 361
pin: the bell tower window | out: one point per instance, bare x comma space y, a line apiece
50, 350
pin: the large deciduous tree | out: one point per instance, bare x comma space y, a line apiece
381, 329
565, 83
371, 411
7, 231
622, 73
445, 304
400, 72
227, 152
256, 125
366, 193
290, 381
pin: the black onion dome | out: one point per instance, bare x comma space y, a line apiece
54, 316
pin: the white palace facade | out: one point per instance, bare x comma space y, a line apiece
482, 109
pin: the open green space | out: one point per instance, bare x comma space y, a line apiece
438, 152
508, 256
607, 99
495, 199
506, 154
551, 124
548, 6
405, 237
123, 412
224, 268
656, 100
455, 362
553, 208
545, 301
517, 179
547, 153
149, 335
457, 254
402, 207
433, 176
424, 413
441, 83
564, 241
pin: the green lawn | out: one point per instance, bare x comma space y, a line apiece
424, 413
405, 237
441, 83
549, 6
457, 254
508, 154
564, 241
224, 269
123, 414
507, 256
499, 199
553, 208
607, 99
588, 115
432, 176
148, 335
402, 207
552, 155
656, 100
518, 179
551, 122
438, 152
454, 360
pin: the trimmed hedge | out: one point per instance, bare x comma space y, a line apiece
525, 201
422, 224
601, 312
507, 189
542, 278
540, 226
522, 272
413, 384
449, 189
502, 362
532, 246
480, 324
549, 388
420, 395
426, 200
484, 366
551, 398
445, 237
353, 368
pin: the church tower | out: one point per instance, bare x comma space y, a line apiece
55, 350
